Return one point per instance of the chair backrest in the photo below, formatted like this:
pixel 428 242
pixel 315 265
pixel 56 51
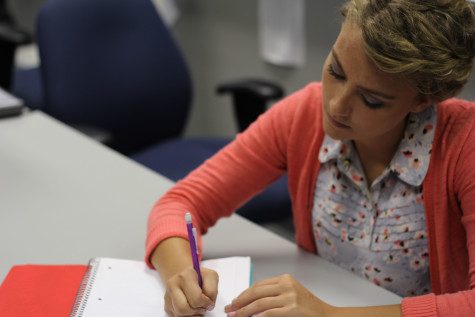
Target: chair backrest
pixel 113 64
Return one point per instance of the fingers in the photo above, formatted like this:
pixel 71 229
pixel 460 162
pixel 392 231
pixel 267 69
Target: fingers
pixel 210 286
pixel 169 310
pixel 184 297
pixel 265 288
pixel 271 297
pixel 257 307
pixel 260 297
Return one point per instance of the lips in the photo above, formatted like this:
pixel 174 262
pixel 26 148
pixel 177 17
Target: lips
pixel 336 123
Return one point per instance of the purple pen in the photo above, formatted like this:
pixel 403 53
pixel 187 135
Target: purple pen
pixel 193 239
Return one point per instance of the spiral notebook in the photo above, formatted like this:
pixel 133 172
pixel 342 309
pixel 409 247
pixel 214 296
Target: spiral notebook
pixel 118 287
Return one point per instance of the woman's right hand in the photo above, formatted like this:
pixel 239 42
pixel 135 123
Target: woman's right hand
pixel 184 297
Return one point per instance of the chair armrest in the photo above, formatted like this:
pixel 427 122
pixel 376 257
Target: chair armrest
pixel 9 31
pixel 250 97
pixel 13 35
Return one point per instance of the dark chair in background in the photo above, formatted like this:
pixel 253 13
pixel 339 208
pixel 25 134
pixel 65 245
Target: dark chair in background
pixel 11 36
pixel 112 70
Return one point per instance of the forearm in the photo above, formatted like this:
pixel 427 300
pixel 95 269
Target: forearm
pixel 171 256
pixel 376 311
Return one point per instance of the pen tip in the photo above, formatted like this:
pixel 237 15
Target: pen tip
pixel 188 217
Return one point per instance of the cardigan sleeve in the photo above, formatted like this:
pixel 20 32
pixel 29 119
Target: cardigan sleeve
pixel 459 155
pixel 465 187
pixel 462 303
pixel 255 159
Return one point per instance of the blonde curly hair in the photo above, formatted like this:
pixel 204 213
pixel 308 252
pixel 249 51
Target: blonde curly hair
pixel 430 43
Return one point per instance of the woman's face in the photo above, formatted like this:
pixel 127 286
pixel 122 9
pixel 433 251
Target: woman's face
pixel 360 102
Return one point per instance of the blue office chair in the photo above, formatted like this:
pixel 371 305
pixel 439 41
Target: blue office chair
pixel 112 68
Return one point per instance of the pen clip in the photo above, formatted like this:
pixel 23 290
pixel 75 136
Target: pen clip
pixel 195 236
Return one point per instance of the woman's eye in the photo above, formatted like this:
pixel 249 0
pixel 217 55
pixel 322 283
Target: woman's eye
pixel 372 102
pixel 332 72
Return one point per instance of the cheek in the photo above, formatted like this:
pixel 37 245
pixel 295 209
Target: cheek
pixel 326 80
pixel 372 124
pixel 327 88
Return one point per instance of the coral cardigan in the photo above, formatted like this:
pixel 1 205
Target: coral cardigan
pixel 287 138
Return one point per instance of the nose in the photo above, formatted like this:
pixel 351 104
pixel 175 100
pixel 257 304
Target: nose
pixel 340 104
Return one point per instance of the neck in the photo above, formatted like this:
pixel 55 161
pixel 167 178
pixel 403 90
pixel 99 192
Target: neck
pixel 376 154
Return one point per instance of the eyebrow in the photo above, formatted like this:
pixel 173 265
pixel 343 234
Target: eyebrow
pixel 368 90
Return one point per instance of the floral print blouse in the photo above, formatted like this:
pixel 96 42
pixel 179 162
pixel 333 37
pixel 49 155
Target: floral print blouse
pixel 379 231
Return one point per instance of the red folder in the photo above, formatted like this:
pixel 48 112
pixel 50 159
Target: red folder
pixel 40 290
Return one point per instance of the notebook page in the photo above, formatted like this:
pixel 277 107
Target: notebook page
pixel 120 287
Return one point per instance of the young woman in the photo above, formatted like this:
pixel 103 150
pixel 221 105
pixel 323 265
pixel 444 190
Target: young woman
pixel 379 161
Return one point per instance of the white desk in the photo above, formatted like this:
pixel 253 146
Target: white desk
pixel 65 198
pixel 273 255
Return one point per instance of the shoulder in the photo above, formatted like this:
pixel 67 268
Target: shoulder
pixel 456 109
pixel 455 132
pixel 308 96
pixel 311 94
pixel 304 104
pixel 455 117
pixel 298 110
pixel 293 117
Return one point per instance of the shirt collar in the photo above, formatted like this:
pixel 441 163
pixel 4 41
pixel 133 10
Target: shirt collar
pixel 334 149
pixel 411 161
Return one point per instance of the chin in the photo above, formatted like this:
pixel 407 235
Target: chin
pixel 334 133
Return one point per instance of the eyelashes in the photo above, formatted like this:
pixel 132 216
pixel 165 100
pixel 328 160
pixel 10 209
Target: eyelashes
pixel 374 104
pixel 332 72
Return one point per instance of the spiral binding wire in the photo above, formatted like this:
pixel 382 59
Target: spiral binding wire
pixel 85 288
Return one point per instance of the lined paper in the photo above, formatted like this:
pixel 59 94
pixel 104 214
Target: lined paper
pixel 118 287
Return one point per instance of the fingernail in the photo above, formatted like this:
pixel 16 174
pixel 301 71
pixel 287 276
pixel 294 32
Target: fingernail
pixel 210 308
pixel 227 307
pixel 232 314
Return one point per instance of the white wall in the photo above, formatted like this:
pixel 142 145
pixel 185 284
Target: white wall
pixel 219 39
pixel 220 42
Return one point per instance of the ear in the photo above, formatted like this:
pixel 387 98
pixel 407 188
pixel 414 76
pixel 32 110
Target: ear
pixel 421 103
